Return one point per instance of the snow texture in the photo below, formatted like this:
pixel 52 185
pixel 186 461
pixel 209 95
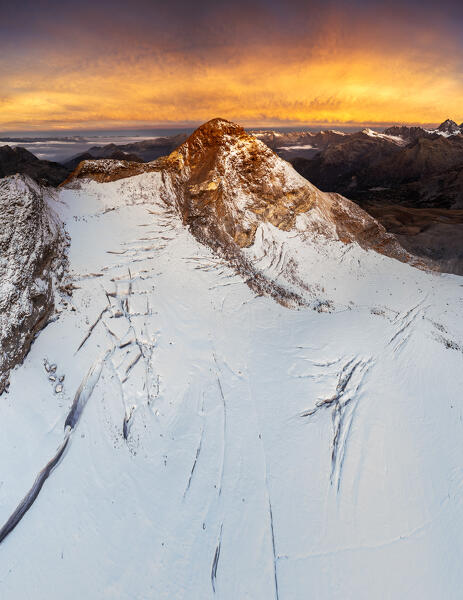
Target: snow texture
pixel 227 446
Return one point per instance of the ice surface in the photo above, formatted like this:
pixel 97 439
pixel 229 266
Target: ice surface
pixel 231 447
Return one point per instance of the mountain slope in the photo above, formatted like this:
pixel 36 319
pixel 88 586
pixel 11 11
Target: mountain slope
pixel 449 127
pixel 424 174
pixel 19 160
pixel 32 262
pixel 358 166
pixel 211 442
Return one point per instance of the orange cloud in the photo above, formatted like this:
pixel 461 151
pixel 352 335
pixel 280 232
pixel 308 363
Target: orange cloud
pixel 328 79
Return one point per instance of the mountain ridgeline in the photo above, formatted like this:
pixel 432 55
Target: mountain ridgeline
pixel 18 160
pixel 392 175
pixel 227 182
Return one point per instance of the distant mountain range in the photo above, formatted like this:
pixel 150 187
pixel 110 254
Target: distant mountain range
pixel 144 151
pixel 17 159
pixel 392 175
pixel 403 160
pixel 408 166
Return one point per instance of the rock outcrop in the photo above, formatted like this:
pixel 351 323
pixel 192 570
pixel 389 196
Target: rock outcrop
pixel 20 161
pixel 32 260
pixel 231 182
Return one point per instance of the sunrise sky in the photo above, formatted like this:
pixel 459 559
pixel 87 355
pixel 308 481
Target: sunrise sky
pixel 140 63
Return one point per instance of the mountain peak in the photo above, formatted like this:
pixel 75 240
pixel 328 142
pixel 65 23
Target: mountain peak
pixel 213 133
pixel 448 126
pixel 218 126
pixel 230 183
pixel 170 363
pixel 226 183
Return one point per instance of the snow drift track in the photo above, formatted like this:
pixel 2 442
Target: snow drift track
pixel 32 494
pixel 81 398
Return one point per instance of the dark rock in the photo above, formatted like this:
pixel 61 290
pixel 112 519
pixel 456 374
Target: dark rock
pixel 19 160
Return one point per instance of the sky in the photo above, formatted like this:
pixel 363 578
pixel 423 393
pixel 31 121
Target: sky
pixel 144 63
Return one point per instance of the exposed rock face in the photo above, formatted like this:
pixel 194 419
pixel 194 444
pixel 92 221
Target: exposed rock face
pixel 405 166
pixel 104 170
pixel 31 261
pixel 409 133
pixel 226 182
pixel 449 126
pixel 20 160
pixel 232 182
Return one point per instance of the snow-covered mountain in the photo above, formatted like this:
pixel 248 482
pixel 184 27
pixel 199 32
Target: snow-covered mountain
pixel 449 127
pixel 246 396
pixel 32 262
pixel 308 143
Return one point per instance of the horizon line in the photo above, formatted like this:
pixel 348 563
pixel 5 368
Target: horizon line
pixel 255 124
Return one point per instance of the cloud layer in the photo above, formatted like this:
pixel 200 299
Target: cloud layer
pixel 117 64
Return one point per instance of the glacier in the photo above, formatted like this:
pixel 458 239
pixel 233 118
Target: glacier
pixel 218 443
